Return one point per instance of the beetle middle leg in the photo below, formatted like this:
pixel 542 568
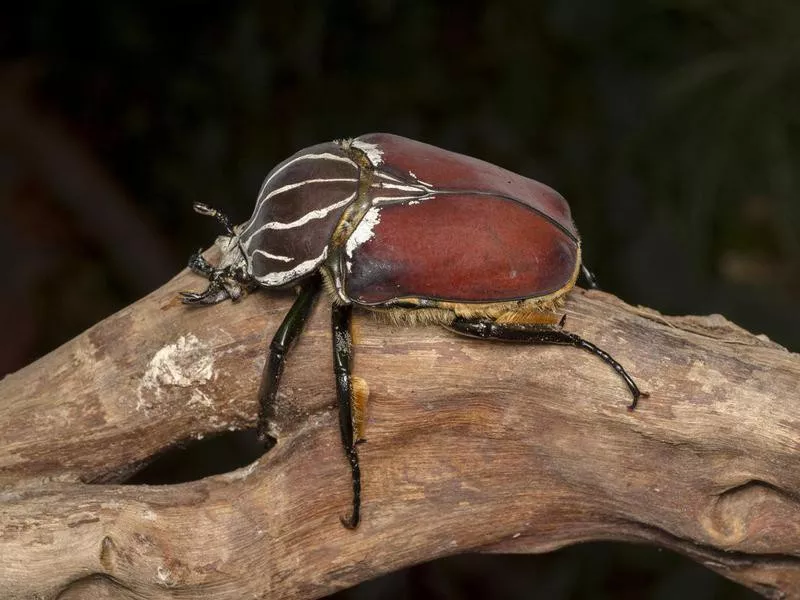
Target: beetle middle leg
pixel 342 366
pixel 287 333
pixel 540 334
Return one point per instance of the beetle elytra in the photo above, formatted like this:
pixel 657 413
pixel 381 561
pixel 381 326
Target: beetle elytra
pixel 408 230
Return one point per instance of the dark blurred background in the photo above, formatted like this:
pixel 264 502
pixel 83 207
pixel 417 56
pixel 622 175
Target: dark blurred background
pixel 670 125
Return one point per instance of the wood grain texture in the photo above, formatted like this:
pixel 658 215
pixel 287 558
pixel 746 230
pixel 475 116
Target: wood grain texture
pixel 471 446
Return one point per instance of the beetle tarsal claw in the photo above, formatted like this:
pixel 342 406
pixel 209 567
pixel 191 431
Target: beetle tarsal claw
pixel 348 522
pixel 221 286
pixel 213 295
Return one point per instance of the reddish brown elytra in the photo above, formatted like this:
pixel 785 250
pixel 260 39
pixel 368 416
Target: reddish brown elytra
pixel 408 230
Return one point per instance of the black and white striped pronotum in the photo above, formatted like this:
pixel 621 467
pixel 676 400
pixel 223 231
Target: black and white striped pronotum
pixel 417 233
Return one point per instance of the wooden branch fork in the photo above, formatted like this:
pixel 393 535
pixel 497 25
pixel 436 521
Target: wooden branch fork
pixel 472 446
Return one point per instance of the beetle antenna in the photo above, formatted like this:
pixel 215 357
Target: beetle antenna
pixel 205 209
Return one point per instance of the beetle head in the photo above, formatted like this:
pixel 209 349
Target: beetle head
pixel 232 277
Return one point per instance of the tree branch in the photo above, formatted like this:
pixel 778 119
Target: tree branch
pixel 472 445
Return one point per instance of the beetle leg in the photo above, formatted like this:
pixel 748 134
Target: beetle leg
pixel 219 288
pixel 528 317
pixel 216 290
pixel 222 218
pixel 213 294
pixel 591 280
pixel 342 357
pixel 198 264
pixel 541 334
pixel 287 333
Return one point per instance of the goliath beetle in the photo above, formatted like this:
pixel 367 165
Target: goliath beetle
pixel 407 230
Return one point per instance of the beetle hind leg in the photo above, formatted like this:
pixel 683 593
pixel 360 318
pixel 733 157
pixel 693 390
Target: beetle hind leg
pixel 360 396
pixel 541 334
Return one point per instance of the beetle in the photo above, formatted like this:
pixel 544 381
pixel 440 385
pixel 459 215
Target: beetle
pixel 407 230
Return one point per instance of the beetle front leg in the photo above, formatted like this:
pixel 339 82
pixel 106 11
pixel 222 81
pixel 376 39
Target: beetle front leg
pixel 222 218
pixel 284 337
pixel 198 264
pixel 342 358
pixel 541 334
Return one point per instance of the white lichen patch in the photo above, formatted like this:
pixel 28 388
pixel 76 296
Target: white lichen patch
pixel 198 398
pixel 164 576
pixel 364 232
pixel 373 152
pixel 186 363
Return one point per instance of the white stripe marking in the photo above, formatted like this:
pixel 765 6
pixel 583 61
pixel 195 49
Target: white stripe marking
pixel 287 188
pixel 273 256
pixel 393 199
pixel 292 186
pixel 373 152
pixel 385 175
pixel 395 186
pixel 323 156
pixel 284 276
pixel 314 214
pixel 364 232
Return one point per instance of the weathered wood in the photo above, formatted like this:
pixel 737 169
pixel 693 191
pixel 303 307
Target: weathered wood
pixel 472 446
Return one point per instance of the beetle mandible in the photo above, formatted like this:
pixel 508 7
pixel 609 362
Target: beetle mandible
pixel 408 230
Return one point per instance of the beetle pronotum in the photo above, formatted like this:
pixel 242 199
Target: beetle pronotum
pixel 408 230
